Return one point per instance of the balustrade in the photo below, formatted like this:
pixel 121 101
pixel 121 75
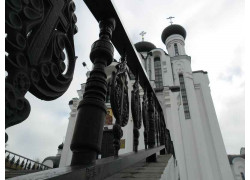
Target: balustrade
pixel 12 161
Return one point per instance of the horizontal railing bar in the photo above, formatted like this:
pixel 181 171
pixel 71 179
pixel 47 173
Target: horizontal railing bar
pixel 102 9
pixel 102 169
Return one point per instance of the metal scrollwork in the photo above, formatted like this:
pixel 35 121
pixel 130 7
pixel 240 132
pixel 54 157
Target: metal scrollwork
pixel 136 112
pixel 151 120
pixel 145 118
pixel 156 126
pixel 168 141
pixel 38 34
pixel 119 102
pixel 162 131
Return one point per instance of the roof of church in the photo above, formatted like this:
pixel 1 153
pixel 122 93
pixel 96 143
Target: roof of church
pixel 144 46
pixel 173 29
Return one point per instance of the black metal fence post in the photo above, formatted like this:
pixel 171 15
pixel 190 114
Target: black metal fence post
pixel 162 134
pixel 87 137
pixel 151 133
pixel 145 117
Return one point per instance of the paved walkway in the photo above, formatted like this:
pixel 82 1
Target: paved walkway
pixel 143 170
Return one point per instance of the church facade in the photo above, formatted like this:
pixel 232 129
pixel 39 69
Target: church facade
pixel 188 110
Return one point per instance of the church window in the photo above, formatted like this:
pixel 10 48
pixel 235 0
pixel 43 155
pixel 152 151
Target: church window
pixel 176 49
pixel 158 73
pixel 184 97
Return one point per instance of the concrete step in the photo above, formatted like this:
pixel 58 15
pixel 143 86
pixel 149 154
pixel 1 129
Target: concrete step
pixel 143 170
pixel 14 173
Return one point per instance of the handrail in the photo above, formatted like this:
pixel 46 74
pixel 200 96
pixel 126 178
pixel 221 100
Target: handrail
pixel 15 163
pixel 102 169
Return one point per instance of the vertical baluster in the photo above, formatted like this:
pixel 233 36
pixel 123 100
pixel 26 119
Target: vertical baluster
pixel 151 134
pixel 159 127
pixel 172 149
pixel 17 163
pixel 168 141
pixel 26 164
pixel 119 102
pixel 87 137
pixel 34 166
pixel 7 159
pixel 156 127
pixel 22 164
pixel 162 134
pixel 145 117
pixel 29 166
pixel 136 113
pixel 38 166
pixel 12 161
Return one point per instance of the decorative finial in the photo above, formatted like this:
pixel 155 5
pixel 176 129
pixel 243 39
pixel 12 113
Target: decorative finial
pixel 170 18
pixel 142 35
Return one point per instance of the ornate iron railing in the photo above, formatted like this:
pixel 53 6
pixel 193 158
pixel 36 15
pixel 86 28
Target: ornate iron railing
pixel 18 162
pixel 34 63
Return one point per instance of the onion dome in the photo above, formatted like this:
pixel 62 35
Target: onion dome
pixel 60 146
pixel 173 29
pixel 144 46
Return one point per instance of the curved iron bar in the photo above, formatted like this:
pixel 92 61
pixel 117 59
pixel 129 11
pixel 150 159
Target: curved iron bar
pixel 37 35
pixel 119 102
pixel 145 117
pixel 136 113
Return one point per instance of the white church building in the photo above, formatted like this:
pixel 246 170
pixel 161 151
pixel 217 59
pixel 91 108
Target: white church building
pixel 188 110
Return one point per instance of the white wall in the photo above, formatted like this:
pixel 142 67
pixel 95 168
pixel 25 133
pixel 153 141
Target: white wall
pixel 171 172
pixel 66 152
pixel 213 138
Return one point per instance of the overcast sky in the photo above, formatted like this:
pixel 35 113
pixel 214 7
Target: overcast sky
pixel 214 41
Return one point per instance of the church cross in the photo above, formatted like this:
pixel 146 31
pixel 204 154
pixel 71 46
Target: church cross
pixel 170 18
pixel 142 35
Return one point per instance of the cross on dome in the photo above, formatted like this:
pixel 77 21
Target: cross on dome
pixel 170 18
pixel 142 35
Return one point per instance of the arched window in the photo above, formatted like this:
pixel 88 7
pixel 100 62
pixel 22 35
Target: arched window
pixel 176 49
pixel 158 73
